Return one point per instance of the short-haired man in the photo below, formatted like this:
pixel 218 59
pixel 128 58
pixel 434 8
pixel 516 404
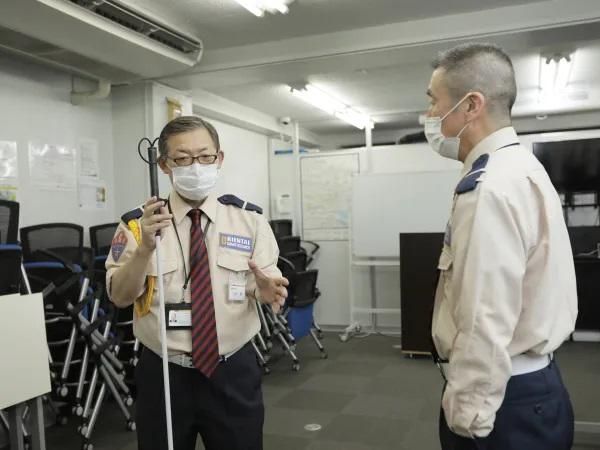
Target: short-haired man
pixel 506 298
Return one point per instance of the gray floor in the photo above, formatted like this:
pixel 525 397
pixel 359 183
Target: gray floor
pixel 366 396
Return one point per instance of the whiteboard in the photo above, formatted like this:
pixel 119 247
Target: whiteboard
pixel 386 204
pixel 24 371
pixel 326 182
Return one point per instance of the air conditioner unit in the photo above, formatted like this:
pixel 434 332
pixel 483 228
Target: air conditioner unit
pixel 99 38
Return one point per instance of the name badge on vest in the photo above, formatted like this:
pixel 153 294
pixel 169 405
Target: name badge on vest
pixel 237 286
pixel 179 316
pixel 233 242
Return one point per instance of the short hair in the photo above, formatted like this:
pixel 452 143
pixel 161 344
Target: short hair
pixel 484 68
pixel 184 124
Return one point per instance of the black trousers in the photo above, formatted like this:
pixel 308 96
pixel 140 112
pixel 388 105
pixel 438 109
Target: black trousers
pixel 536 414
pixel 226 410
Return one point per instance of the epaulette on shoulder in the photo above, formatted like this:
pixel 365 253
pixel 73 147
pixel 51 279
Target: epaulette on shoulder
pixel 133 214
pixel 472 179
pixel 232 200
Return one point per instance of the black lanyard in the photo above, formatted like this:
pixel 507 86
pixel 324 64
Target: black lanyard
pixel 185 272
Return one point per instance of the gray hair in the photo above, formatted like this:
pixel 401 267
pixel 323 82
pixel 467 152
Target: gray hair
pixel 184 124
pixel 483 68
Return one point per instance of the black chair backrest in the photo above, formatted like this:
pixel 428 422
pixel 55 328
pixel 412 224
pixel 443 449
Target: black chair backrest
pixel 299 259
pixel 64 239
pixel 101 237
pixel 9 222
pixel 286 267
pixel 288 244
pixel 281 227
pixel 304 291
pixel 10 267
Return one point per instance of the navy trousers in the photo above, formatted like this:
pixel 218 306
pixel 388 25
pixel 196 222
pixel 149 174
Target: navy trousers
pixel 226 410
pixel 536 414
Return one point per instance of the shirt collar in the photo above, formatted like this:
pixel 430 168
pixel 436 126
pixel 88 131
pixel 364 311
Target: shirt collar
pixel 495 141
pixel 180 208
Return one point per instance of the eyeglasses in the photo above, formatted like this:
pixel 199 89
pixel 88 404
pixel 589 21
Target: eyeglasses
pixel 189 160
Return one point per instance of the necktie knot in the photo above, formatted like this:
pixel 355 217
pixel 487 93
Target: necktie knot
pixel 195 215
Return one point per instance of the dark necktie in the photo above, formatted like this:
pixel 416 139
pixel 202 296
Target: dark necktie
pixel 205 347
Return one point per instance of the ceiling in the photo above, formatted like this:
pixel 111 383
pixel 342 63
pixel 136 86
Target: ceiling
pixel 375 55
pixel 224 23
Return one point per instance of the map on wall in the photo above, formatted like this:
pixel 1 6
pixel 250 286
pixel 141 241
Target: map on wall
pixel 326 182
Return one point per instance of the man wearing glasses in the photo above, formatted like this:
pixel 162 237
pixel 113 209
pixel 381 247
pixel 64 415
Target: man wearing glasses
pixel 219 257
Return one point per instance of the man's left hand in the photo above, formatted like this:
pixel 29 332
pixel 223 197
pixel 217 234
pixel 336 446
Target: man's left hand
pixel 271 290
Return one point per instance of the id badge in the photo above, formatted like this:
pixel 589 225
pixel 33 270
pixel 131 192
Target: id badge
pixel 179 316
pixel 237 286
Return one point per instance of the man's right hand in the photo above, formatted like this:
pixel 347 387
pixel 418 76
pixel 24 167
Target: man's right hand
pixel 152 223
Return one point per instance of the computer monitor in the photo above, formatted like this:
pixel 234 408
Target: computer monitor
pixel 573 166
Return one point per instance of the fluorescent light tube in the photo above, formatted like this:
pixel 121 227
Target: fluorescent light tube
pixel 555 72
pixel 278 5
pixel 252 6
pixel 325 102
pixel 547 74
pixel 563 72
pixel 258 7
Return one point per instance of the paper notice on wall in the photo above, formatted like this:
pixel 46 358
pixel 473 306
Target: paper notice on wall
pixel 92 194
pixel 52 167
pixel 9 167
pixel 8 192
pixel 88 158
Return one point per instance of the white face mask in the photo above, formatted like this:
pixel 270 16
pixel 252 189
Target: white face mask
pixel 446 146
pixel 196 181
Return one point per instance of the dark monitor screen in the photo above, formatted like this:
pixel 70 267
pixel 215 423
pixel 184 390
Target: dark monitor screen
pixel 584 239
pixel 573 166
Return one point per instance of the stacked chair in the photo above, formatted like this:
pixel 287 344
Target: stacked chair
pixel 91 349
pixel 296 320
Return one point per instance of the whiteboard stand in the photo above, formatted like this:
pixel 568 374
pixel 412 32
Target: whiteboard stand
pixel 355 327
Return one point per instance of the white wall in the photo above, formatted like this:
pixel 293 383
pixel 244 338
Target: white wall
pixel 245 170
pixel 333 308
pixel 36 106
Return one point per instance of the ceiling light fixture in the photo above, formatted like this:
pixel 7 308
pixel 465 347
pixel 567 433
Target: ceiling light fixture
pixel 555 71
pixel 325 102
pixel 259 7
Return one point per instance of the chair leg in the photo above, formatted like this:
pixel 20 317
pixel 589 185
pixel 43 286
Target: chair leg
pixel 316 340
pixel 261 359
pixel 318 328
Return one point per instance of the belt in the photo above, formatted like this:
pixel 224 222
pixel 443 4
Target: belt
pixel 185 359
pixel 521 364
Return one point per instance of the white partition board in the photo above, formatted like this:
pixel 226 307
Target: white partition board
pixel 386 204
pixel 24 370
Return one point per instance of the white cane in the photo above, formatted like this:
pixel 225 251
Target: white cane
pixel 152 163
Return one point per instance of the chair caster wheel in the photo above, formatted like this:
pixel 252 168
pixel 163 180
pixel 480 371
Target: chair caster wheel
pixel 324 355
pixel 131 425
pixel 266 370
pixel 296 367
pixel 87 446
pixel 129 401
